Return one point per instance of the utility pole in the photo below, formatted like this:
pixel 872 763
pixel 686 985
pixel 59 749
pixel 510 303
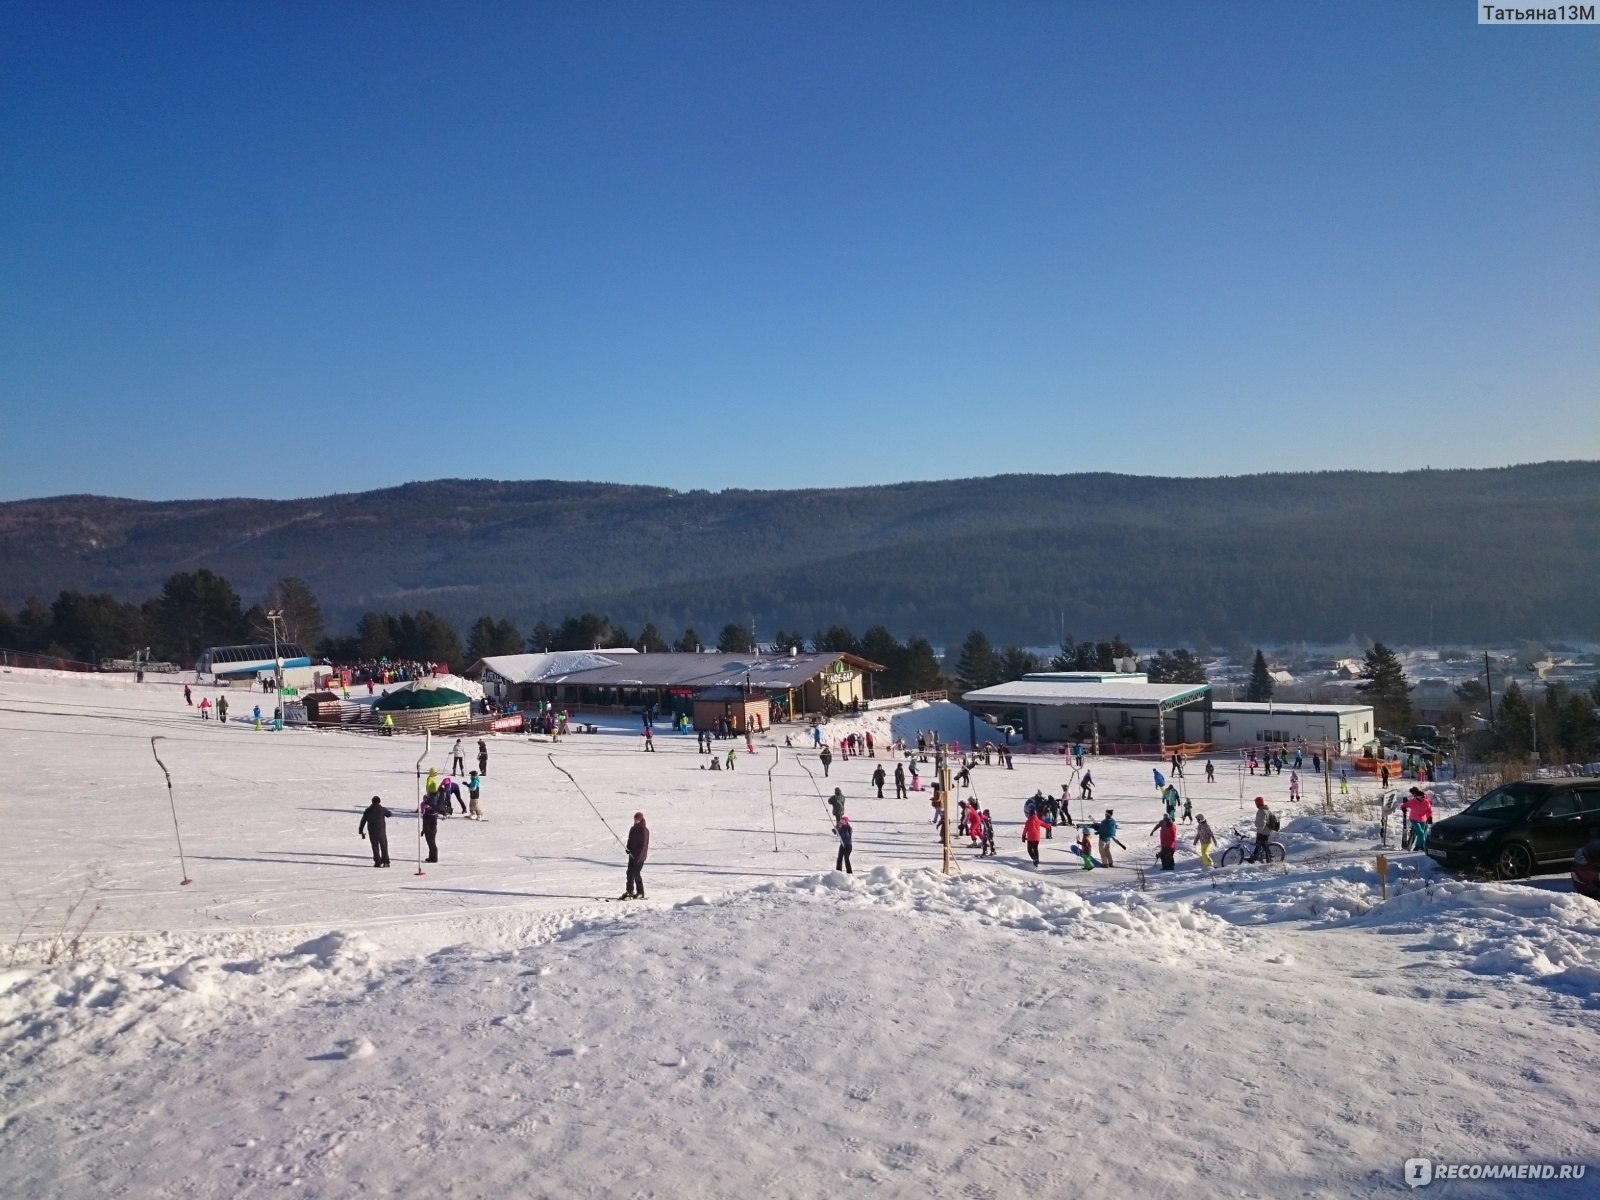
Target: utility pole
pixel 1488 683
pixel 275 616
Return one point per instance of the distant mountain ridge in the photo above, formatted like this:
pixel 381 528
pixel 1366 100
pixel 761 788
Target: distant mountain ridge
pixel 1498 553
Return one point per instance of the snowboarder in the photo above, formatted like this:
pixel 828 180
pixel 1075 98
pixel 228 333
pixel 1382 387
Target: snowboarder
pixel 458 765
pixel 846 844
pixel 1205 839
pixel 430 829
pixel 827 760
pixel 1033 829
pixel 900 781
pixel 878 778
pixel 483 758
pixel 836 806
pixel 474 790
pixel 638 850
pixel 374 829
pixel 1169 841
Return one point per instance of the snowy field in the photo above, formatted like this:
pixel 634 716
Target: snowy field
pixel 296 1021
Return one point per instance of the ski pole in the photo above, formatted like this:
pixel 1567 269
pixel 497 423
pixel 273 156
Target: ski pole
pixel 182 863
pixel 586 799
pixel 427 740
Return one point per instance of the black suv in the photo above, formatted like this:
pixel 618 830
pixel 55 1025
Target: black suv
pixel 1521 828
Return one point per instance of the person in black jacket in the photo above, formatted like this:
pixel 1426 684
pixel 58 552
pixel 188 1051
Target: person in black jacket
pixel 638 851
pixel 846 844
pixel 374 829
pixel 878 778
pixel 430 827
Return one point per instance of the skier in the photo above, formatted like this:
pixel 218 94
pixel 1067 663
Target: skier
pixel 188 697
pixel 374 829
pixel 1089 863
pixel 474 790
pixel 899 781
pixel 836 806
pixel 483 758
pixel 388 724
pixel 878 778
pixel 1344 783
pixel 827 760
pixel 1066 804
pixel 1077 754
pixel 1188 810
pixel 1086 787
pixel 1169 841
pixel 733 753
pixel 974 825
pixel 205 709
pixel 458 765
pixel 1033 829
pixel 222 709
pixel 916 780
pixel 1294 785
pixel 430 786
pixel 988 836
pixel 638 850
pixel 1205 839
pixel 1106 831
pixel 871 749
pixel 1253 763
pixel 1211 772
pixel 846 844
pixel 430 829
pixel 649 740
pixel 450 790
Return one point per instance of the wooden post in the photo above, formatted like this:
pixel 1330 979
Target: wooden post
pixel 1327 778
pixel 1383 875
pixel 943 778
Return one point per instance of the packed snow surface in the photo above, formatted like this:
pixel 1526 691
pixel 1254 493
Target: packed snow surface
pixel 762 1025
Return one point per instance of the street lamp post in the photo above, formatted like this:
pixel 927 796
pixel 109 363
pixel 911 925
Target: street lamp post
pixel 275 616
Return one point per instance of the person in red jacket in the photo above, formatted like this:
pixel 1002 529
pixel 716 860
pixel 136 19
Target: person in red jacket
pixel 1033 830
pixel 1168 829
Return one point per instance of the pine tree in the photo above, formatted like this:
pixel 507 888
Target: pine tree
pixel 1260 689
pixel 978 665
pixel 688 642
pixel 1513 722
pixel 489 637
pixel 1384 686
pixel 735 639
pixel 651 642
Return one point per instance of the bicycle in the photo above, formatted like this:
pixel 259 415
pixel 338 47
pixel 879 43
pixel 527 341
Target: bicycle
pixel 1244 848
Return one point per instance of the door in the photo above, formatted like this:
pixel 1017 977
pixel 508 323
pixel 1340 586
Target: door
pixel 1556 827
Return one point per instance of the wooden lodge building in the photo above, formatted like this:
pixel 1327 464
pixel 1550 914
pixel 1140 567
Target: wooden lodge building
pixel 702 686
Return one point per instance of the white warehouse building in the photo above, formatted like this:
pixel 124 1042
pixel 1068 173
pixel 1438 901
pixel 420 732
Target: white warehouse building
pixel 1239 724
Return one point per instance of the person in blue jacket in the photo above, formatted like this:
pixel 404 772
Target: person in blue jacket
pixel 1106 831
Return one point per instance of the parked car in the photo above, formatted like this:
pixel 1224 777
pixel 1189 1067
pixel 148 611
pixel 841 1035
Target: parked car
pixel 1586 870
pixel 1520 829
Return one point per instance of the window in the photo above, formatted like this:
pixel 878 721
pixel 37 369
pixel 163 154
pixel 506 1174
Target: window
pixel 1562 804
pixel 1589 800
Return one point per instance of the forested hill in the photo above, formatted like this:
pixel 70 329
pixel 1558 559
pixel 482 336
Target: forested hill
pixel 1494 554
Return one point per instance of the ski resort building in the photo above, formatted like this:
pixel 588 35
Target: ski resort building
pixel 1112 713
pixel 247 665
pixel 787 686
pixel 1238 724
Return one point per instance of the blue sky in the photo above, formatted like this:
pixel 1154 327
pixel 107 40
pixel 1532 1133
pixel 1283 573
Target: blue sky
pixel 291 248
